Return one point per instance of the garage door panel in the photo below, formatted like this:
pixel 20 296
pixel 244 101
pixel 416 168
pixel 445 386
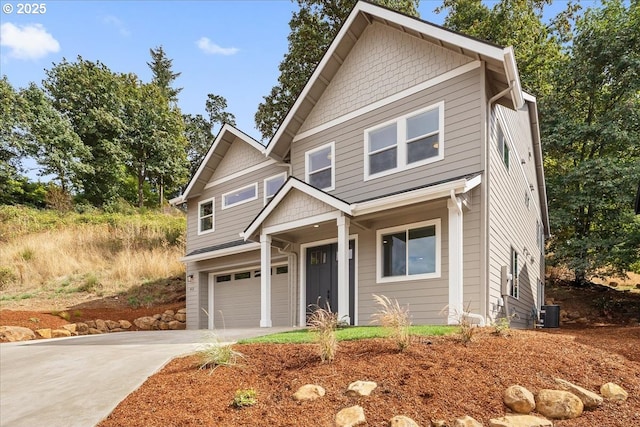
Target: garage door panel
pixel 237 303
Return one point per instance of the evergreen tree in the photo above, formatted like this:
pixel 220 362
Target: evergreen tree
pixel 163 76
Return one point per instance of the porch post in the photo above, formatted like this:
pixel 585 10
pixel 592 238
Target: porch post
pixel 343 268
pixel 265 281
pixel 455 260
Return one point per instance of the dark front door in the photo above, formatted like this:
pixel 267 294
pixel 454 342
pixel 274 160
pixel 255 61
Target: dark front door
pixel 322 277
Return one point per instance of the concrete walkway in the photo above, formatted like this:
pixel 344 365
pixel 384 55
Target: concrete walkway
pixel 78 381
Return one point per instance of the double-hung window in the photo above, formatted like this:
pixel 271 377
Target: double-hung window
pixel 406 142
pixel 272 185
pixel 240 196
pixel 409 252
pixel 320 167
pixel 205 216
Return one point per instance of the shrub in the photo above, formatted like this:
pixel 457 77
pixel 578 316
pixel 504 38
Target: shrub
pixel 216 354
pixel 394 318
pixel 501 326
pixel 323 323
pixel 246 397
pixel 6 277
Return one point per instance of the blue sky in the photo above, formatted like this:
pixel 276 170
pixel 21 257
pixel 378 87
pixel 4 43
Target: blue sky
pixel 229 48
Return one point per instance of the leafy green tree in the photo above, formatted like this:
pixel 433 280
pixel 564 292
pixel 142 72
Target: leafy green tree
pixel 313 27
pixel 13 132
pixel 163 76
pixel 52 141
pixel 591 137
pixel 91 97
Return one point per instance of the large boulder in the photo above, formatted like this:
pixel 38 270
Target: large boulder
pixel 520 421
pixel 519 399
pixel 177 325
pixel 361 388
pixel 44 333
pixel 612 391
pixel 589 399
pixel 402 421
pixel 558 404
pixel 124 324
pixel 82 328
pixel 16 333
pixel 101 325
pixel 60 333
pixel 181 317
pixel 308 392
pixel 466 421
pixel 71 327
pixel 112 324
pixel 351 416
pixel 145 323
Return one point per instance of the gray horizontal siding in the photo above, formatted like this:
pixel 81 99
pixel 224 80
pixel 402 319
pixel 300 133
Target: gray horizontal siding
pixel 462 153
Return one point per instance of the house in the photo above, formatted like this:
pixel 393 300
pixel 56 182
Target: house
pixel 409 166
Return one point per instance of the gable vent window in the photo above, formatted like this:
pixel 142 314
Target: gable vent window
pixel 406 142
pixel 240 196
pixel 272 185
pixel 205 216
pixel 320 170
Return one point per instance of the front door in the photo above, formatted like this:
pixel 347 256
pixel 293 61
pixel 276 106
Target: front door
pixel 322 277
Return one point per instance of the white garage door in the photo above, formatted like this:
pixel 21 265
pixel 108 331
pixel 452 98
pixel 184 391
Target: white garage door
pixel 236 299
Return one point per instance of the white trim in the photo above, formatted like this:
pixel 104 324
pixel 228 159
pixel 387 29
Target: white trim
pixel 513 76
pixel 463 69
pixel 316 219
pixel 237 190
pixel 265 281
pixel 302 282
pixel 264 185
pixel 332 152
pixel 456 259
pixel 211 302
pixel 409 277
pixel 247 247
pixel 238 174
pixel 402 143
pixel 213 216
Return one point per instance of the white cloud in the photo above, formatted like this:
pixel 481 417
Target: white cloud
pixel 118 24
pixel 210 48
pixel 27 41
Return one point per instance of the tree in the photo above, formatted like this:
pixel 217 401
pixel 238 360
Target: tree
pixel 591 137
pixel 313 28
pixel 163 76
pixel 91 97
pixel 12 140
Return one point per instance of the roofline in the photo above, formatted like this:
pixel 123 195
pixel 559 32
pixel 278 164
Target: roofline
pixel 248 247
pixel 226 128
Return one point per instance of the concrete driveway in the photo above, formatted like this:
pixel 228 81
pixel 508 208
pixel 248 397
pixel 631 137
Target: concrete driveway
pixel 78 381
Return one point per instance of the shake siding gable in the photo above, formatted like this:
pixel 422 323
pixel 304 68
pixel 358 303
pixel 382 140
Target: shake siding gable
pixel 462 151
pixel 239 157
pixel 296 205
pixel 393 61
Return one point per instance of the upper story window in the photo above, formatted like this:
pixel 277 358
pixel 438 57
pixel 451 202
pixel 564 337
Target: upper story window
pixel 503 146
pixel 205 216
pixel 406 142
pixel 320 167
pixel 272 185
pixel 240 196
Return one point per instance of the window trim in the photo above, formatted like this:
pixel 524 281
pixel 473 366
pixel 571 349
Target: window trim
pixel 264 185
pixel 213 216
pixel 514 288
pixel 407 227
pixel 255 197
pixel 307 154
pixel 402 142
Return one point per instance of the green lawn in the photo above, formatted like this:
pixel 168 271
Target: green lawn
pixel 346 334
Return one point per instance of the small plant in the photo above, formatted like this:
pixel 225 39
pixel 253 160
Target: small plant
pixel 394 318
pixel 27 254
pixel 62 314
pixel 216 354
pixel 323 323
pixel 6 277
pixel 245 397
pixel 467 328
pixel 501 326
pixel 77 313
pixel 34 320
pixel 133 302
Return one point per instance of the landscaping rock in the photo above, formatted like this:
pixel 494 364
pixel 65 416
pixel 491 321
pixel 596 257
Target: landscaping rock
pixel 466 421
pixel 559 405
pixel 60 333
pixel 309 392
pixel 101 325
pixel 82 328
pixel 177 325
pixel 44 333
pixel 16 333
pixel 111 324
pixel 402 421
pixel 589 399
pixel 439 423
pixel 163 326
pixel 167 316
pixel 182 311
pixel 351 416
pixel 181 317
pixel 361 388
pixel 519 399
pixel 145 323
pixel 71 327
pixel 612 391
pixel 125 324
pixel 94 331
pixel 91 324
pixel 520 421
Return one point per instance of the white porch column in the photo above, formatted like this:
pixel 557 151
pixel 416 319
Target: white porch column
pixel 265 281
pixel 343 268
pixel 455 259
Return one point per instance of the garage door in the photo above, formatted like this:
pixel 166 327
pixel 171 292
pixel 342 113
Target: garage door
pixel 236 299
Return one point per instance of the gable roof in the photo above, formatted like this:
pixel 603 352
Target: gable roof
pixel 500 63
pixel 226 137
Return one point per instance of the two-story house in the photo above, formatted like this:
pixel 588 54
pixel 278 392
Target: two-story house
pixel 410 166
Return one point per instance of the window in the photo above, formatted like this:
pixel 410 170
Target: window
pixel 223 278
pixel 205 216
pixel 409 141
pixel 243 275
pixel 284 269
pixel 272 185
pixel 503 146
pixel 320 171
pixel 514 291
pixel 240 196
pixel 409 252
